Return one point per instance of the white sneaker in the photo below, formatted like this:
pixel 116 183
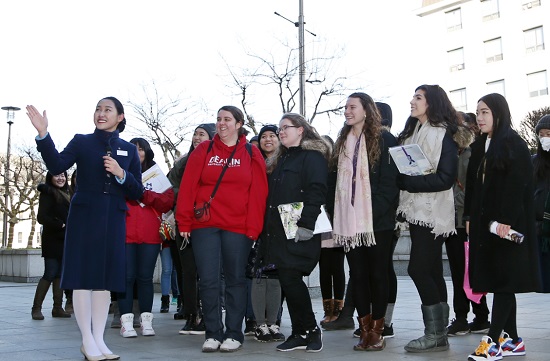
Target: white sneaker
pixel 127 325
pixel 146 324
pixel 211 345
pixel 230 345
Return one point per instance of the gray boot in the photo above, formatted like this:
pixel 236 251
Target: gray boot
pixel 435 334
pixel 446 309
pixel 41 291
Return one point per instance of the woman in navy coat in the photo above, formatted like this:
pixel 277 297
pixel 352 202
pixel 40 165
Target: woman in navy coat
pixel 109 171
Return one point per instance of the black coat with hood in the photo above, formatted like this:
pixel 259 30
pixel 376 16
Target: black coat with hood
pixel 299 176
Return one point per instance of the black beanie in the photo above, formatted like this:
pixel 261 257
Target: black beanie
pixel 210 128
pixel 268 128
pixel 544 123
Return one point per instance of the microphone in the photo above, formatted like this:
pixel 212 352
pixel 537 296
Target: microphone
pixel 107 184
pixel 108 150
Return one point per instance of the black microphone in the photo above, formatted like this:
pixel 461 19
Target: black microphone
pixel 108 150
pixel 107 184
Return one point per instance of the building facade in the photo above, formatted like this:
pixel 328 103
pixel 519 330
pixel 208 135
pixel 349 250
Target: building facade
pixel 490 46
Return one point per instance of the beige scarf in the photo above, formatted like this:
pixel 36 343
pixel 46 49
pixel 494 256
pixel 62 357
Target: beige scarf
pixel 435 210
pixel 353 222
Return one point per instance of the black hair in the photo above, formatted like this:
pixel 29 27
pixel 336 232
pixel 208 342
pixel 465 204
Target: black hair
pixel 237 114
pixel 120 110
pixel 148 162
pixel 62 194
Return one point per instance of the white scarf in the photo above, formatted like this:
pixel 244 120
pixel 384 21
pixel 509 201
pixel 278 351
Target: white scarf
pixel 353 223
pixel 435 210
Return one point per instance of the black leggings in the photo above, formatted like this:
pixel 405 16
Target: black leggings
pixel 392 277
pixel 331 273
pixel 369 275
pixel 426 265
pixel 298 301
pixel 186 268
pixel 504 315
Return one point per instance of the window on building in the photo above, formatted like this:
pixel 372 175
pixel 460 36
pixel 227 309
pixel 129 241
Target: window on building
pixel 20 237
pixel 530 4
pixel 489 10
pixel 537 83
pixel 493 50
pixel 496 86
pixel 458 98
pixel 534 39
pixel 453 19
pixel 456 59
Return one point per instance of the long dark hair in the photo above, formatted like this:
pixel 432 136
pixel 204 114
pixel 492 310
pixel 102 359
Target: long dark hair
pixel 500 150
pixel 148 162
pixel 440 112
pixel 372 128
pixel 61 195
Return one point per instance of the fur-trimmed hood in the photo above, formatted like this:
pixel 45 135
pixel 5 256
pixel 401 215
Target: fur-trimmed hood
pixel 309 144
pixel 463 137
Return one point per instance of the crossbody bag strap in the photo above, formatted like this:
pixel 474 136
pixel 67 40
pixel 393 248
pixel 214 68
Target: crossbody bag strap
pixel 223 172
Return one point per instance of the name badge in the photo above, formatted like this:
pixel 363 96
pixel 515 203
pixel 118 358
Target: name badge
pixel 121 152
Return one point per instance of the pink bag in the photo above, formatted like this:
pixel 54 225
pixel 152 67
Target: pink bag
pixel 473 296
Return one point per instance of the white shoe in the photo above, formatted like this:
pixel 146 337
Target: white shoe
pixel 146 321
pixel 230 345
pixel 127 325
pixel 211 345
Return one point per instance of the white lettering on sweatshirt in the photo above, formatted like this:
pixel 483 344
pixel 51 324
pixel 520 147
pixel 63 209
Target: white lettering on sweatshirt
pixel 217 161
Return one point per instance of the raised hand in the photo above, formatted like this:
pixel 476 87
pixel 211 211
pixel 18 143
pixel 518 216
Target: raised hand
pixel 39 121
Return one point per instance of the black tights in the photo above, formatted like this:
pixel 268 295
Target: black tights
pixel 426 265
pixel 331 273
pixel 503 317
pixel 369 275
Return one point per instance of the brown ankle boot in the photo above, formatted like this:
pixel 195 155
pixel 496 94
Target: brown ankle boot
pixel 328 307
pixel 364 323
pixel 338 305
pixel 375 340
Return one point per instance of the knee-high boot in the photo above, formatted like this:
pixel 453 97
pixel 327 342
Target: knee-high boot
pixel 57 310
pixel 364 323
pixel 41 291
pixel 435 333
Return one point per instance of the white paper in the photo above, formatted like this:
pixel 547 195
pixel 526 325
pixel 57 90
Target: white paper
pixel 411 160
pixel 291 213
pixel 153 179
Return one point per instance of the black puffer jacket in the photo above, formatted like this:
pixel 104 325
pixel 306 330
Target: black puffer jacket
pixel 300 176
pixel 53 216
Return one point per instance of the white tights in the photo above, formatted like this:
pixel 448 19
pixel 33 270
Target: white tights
pixel 91 309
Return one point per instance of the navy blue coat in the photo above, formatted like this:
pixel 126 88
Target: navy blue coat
pixel 95 251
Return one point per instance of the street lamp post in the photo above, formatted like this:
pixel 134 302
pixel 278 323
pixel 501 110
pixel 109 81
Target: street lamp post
pixel 11 115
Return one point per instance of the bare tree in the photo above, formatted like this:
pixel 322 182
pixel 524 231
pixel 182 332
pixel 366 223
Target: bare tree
pixel 278 71
pixel 528 125
pixel 27 172
pixel 166 118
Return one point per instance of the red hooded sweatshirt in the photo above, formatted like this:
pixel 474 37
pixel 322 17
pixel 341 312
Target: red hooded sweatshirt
pixel 239 203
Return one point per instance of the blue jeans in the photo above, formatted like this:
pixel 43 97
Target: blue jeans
pixel 141 259
pixel 52 269
pixel 216 250
pixel 167 276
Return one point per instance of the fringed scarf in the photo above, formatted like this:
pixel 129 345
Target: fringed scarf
pixel 546 225
pixel 353 201
pixel 433 210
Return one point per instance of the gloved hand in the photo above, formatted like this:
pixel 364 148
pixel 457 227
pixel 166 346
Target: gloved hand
pixel 303 234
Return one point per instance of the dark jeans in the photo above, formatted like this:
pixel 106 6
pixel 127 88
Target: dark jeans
pixel 426 265
pixel 140 265
pixel 331 273
pixel 298 301
pixel 52 269
pixel 217 250
pixel 461 304
pixel 369 275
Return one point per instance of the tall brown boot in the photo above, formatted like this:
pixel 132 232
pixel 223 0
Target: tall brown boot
pixel 57 310
pixel 41 291
pixel 328 307
pixel 375 340
pixel 364 323
pixel 338 305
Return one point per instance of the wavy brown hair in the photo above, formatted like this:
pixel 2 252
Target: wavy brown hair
pixel 372 129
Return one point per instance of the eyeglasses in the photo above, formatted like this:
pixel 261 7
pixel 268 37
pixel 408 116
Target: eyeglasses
pixel 285 127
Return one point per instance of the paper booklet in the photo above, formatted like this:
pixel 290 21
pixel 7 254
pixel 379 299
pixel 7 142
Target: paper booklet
pixel 291 213
pixel 153 179
pixel 411 160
